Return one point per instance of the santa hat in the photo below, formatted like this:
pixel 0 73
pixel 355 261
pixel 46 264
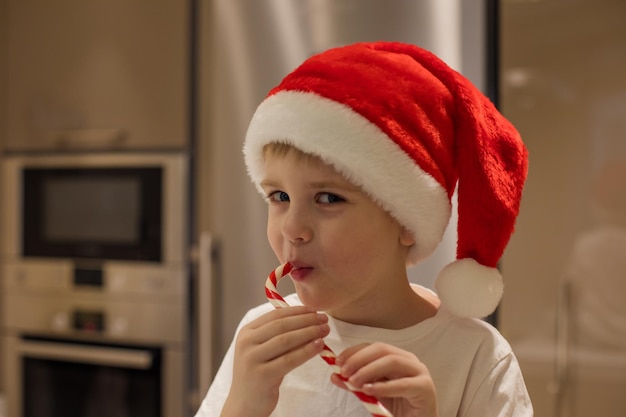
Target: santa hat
pixel 398 122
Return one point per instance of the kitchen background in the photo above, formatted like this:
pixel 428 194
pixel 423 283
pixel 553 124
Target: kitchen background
pixel 85 78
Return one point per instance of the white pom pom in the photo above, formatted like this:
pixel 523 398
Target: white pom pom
pixel 469 289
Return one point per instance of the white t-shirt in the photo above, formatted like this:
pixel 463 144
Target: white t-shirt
pixel 473 367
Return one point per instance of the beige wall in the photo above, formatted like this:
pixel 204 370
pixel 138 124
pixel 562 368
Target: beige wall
pixel 3 121
pixel 563 86
pixel 3 68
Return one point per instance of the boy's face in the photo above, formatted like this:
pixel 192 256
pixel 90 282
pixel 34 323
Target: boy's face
pixel 348 252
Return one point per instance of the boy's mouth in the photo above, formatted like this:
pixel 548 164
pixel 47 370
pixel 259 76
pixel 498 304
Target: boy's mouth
pixel 300 272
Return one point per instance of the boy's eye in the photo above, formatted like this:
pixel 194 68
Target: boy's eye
pixel 329 198
pixel 278 196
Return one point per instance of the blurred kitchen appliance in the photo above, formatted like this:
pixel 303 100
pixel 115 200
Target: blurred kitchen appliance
pixel 95 307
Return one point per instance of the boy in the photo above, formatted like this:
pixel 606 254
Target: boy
pixel 358 152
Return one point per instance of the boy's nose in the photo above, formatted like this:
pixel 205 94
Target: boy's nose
pixel 296 226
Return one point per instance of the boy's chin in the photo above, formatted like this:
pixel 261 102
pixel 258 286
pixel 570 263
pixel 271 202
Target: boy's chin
pixel 312 301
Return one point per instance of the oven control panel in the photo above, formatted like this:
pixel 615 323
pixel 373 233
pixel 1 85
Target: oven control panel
pixel 84 316
pixel 120 301
pixel 90 321
pixel 114 278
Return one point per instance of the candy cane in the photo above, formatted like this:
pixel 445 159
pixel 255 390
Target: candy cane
pixel 371 403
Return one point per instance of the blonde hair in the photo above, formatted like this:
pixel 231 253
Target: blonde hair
pixel 283 149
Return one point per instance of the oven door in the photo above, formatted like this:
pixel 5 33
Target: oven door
pixel 65 378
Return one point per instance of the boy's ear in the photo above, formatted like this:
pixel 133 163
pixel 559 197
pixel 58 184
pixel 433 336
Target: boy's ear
pixel 406 238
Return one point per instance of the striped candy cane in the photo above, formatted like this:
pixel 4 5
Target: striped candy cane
pixel 371 403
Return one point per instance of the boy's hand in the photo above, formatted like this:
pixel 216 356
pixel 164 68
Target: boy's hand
pixel 396 377
pixel 265 351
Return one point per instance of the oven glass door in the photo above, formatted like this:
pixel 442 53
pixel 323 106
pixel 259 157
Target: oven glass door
pixel 85 380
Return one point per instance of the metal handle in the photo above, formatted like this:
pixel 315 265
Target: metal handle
pixel 206 309
pixel 107 356
pixel 89 138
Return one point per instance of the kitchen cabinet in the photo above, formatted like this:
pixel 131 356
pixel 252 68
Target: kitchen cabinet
pixel 97 74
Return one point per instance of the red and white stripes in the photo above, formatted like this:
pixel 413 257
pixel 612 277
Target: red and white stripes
pixel 371 403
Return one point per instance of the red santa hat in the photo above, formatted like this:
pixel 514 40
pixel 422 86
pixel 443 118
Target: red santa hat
pixel 398 122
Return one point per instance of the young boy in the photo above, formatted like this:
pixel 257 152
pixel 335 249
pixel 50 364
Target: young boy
pixel 358 152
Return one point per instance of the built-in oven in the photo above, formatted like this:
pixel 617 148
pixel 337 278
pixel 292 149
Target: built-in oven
pixel 90 379
pixel 95 285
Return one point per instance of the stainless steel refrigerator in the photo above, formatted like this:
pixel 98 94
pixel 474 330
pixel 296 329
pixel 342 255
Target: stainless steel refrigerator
pixel 242 49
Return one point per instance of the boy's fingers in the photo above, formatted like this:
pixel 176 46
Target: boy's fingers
pixel 279 313
pixel 284 343
pixel 386 368
pixel 296 357
pixel 349 352
pixel 284 325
